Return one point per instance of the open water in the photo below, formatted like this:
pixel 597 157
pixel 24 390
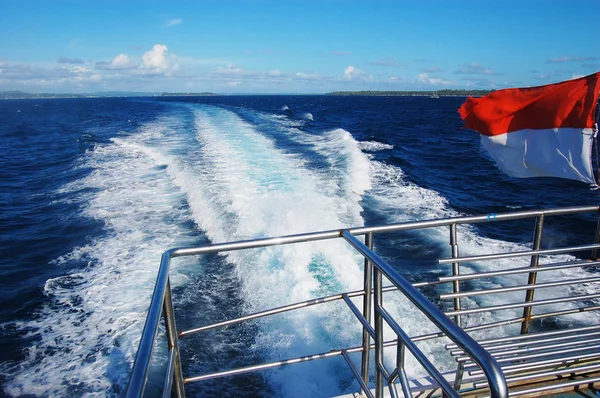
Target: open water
pixel 92 191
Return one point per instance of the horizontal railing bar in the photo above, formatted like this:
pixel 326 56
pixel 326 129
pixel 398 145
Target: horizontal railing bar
pixel 508 289
pixel 474 219
pixel 495 324
pixel 510 369
pixel 436 335
pixel 490 325
pixel 532 345
pixel 519 343
pixel 527 253
pixel 255 243
pixel 278 310
pixel 576 370
pixel 565 312
pixel 524 304
pixel 520 270
pixel 546 354
pixel 499 353
pixel 323 235
pixel 351 350
pixel 359 315
pixel 273 311
pixel 329 354
pixel 524 337
pixel 357 374
pixel 555 386
pixel 423 284
pixel 269 365
pixel 445 324
pixel 417 353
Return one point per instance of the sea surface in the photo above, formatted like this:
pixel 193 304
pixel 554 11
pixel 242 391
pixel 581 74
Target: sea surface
pixel 93 191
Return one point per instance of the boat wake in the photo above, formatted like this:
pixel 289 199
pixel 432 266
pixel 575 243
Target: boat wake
pixel 212 174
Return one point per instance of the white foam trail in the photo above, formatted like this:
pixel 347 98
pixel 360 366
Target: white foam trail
pixel 374 146
pixel 88 333
pixel 342 152
pixel 257 190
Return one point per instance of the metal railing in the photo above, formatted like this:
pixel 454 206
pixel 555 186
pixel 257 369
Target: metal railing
pixel 375 268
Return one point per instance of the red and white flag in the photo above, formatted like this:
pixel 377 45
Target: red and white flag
pixel 544 131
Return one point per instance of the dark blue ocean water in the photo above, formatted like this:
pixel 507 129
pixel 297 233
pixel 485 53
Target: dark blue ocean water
pixel 92 191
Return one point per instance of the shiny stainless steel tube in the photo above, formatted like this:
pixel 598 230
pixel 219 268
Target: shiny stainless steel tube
pixel 487 363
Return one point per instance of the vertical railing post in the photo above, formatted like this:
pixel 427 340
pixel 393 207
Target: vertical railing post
pixel 537 244
pixel 367 301
pixel 594 256
pixel 173 341
pixel 400 362
pixel 377 304
pixel 455 271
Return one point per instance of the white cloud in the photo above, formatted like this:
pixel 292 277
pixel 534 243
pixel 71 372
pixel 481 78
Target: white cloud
pixel 82 74
pixel 156 61
pixel 426 79
pixel 120 62
pixel 229 70
pixel 158 58
pixel 302 75
pixel 275 72
pixel 172 22
pixel 398 79
pixel 348 72
pixel 79 69
pixel 353 74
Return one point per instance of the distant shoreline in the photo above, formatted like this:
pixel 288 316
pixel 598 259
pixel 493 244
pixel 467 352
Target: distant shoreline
pixel 442 93
pixel 110 94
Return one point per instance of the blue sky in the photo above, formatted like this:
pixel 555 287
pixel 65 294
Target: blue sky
pixel 289 46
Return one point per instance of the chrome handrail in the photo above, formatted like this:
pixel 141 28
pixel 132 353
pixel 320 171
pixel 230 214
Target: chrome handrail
pixel 486 362
pixel 161 303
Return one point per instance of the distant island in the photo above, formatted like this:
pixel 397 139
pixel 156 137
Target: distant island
pixel 446 93
pixel 24 95
pixel 440 93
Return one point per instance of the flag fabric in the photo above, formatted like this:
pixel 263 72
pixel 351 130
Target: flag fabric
pixel 544 131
